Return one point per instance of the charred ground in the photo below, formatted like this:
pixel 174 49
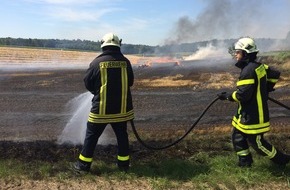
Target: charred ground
pixel 166 101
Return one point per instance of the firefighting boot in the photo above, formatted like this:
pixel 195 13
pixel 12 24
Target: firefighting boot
pixel 281 159
pixel 123 165
pixel 81 167
pixel 245 161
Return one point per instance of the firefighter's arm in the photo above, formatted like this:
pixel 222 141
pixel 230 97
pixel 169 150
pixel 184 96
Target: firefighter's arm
pixel 245 89
pixel 273 76
pixel 90 79
pixel 130 74
pixel 245 86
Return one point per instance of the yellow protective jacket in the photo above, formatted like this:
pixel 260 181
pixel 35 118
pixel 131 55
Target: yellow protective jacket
pixel 255 82
pixel 109 78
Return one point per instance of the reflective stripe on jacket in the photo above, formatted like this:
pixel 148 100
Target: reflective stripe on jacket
pixel 252 116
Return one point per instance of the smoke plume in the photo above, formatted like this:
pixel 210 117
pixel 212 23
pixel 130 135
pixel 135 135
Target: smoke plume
pixel 225 19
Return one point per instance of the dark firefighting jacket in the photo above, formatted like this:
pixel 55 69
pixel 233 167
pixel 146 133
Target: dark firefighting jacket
pixel 255 82
pixel 109 78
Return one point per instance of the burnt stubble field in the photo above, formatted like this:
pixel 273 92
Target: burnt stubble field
pixel 167 102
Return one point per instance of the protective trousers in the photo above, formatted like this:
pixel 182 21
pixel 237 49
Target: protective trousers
pixel 94 131
pixel 260 145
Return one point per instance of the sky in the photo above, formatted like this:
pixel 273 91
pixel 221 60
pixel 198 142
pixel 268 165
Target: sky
pixel 146 22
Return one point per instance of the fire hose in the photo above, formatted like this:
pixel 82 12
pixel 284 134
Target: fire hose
pixel 190 129
pixel 178 140
pixel 279 103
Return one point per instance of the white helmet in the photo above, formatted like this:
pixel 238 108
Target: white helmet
pixel 110 39
pixel 247 44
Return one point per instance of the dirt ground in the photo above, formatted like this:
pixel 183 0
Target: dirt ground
pixel 167 100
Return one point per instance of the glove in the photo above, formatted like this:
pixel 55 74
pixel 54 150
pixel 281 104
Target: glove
pixel 224 96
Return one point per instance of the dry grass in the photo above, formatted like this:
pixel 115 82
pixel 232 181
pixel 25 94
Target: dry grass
pixel 26 74
pixel 169 81
pixel 14 55
pixel 286 66
pixel 206 81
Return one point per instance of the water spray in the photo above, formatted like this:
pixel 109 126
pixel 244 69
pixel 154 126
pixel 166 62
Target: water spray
pixel 75 129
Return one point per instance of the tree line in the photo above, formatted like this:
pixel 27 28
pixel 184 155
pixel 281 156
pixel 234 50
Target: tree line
pixel 87 45
pixel 51 43
pixel 83 45
pixel 169 49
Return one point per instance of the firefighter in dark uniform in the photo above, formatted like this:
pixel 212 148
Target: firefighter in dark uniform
pixel 251 120
pixel 109 78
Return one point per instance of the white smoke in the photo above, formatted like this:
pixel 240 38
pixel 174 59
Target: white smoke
pixel 75 130
pixel 208 52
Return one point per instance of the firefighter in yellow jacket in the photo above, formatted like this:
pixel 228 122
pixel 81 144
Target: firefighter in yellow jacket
pixel 109 78
pixel 251 120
